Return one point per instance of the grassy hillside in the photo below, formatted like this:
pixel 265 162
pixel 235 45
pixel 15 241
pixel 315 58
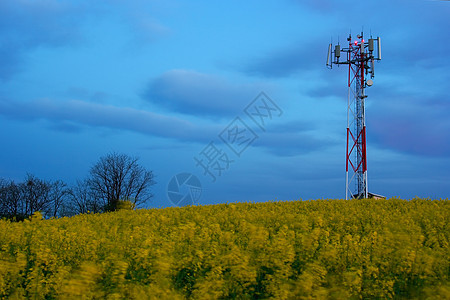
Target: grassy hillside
pixel 284 250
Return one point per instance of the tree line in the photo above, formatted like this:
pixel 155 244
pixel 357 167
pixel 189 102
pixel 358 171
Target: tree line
pixel 112 179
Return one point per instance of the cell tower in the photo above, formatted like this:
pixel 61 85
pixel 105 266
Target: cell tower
pixel 360 60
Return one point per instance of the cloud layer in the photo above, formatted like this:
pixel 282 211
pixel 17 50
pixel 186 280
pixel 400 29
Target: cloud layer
pixel 27 25
pixel 292 138
pixel 68 115
pixel 284 139
pixel 412 125
pixel 200 94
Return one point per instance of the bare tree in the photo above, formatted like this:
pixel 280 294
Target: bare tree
pixel 35 194
pixel 19 201
pixel 10 200
pixel 120 177
pixel 57 196
pixel 113 178
pixel 82 200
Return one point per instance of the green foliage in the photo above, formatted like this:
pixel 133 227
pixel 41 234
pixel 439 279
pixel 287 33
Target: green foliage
pixel 275 250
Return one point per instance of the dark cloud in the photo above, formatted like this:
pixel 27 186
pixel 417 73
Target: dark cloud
pixel 143 24
pixel 285 139
pixel 83 93
pixel 291 144
pixel 141 19
pixel 291 139
pixel 10 63
pixel 292 126
pixel 27 25
pixel 68 116
pixel 67 127
pixel 412 125
pixel 200 94
pixel 287 61
pixel 409 39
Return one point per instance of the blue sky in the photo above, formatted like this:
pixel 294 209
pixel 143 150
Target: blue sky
pixel 163 79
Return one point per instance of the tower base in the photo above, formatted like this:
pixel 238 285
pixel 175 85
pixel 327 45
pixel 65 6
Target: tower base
pixel 370 196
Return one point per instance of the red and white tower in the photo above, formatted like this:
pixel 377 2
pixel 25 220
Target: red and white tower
pixel 360 60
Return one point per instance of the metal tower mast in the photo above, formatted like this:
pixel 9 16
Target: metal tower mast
pixel 360 61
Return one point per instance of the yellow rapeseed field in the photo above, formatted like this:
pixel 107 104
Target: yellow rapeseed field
pixel 324 249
